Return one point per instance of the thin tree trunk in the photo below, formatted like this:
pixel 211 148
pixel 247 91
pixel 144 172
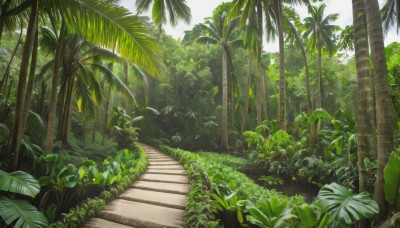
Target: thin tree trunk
pixel 6 74
pixel 383 100
pixel 19 114
pixel 260 97
pixel 319 95
pixel 366 140
pixel 31 79
pixel 224 113
pixel 67 115
pixel 105 131
pixel 246 95
pixel 3 16
pixel 282 93
pixel 48 144
pixel 126 73
pixel 303 52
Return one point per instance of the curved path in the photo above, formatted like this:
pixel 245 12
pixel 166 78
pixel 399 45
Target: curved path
pixel 157 199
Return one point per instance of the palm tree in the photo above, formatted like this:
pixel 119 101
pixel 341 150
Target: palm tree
pixel 220 31
pixel 383 100
pixel 111 26
pixel 319 31
pixel 366 140
pixel 177 10
pixel 251 19
pixel 293 28
pixel 391 14
pixel 12 12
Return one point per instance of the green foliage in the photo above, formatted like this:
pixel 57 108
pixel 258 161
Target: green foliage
pixel 273 212
pixel 128 162
pixel 270 180
pixel 226 159
pixel 22 213
pixel 19 182
pixel 392 180
pixel 19 212
pixel 343 206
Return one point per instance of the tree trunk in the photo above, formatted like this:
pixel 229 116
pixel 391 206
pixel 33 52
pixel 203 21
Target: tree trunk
pixel 303 52
pixel 105 131
pixel 246 95
pixel 19 111
pixel 48 143
pixel 319 95
pixel 224 113
pixel 260 97
pixel 31 79
pixel 282 93
pixel 366 140
pixel 6 74
pixel 383 100
pixel 67 114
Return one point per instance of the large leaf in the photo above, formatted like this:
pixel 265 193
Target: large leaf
pixel 307 215
pixel 22 213
pixel 392 180
pixel 319 114
pixel 114 28
pixel 343 206
pixel 19 182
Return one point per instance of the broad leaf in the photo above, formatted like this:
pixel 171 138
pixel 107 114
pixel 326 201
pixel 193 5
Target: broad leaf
pixel 345 207
pixel 19 182
pixel 25 215
pixel 307 215
pixel 392 180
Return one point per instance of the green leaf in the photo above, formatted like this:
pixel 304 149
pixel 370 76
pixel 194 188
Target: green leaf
pixel 343 206
pixel 22 213
pixel 319 114
pixel 19 182
pixel 392 180
pixel 307 215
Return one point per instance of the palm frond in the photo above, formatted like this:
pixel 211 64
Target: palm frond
pixel 112 27
pixel 22 213
pixel 36 127
pixel 19 182
pixel 115 81
pixel 207 40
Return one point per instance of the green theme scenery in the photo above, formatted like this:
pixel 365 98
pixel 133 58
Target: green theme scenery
pixel 305 136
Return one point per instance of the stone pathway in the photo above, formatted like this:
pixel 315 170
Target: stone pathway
pixel 157 199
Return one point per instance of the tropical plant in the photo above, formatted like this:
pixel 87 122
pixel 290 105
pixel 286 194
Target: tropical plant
pixel 273 212
pixel 343 206
pixel 220 31
pixel 177 10
pixel 392 180
pixel 384 130
pixel 390 15
pixel 320 33
pixel 20 213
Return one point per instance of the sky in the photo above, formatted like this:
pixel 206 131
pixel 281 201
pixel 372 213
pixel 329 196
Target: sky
pixel 203 8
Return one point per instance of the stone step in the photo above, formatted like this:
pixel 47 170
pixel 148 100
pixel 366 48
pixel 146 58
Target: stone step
pixel 167 172
pixel 165 167
pixel 162 187
pixel 101 223
pixel 164 178
pixel 164 163
pixel 171 200
pixel 158 157
pixel 141 215
pixel 161 159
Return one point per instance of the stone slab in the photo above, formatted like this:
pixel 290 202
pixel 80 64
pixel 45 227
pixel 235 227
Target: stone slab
pixel 162 187
pixel 167 172
pixel 171 200
pixel 101 223
pixel 165 167
pixel 142 215
pixel 172 162
pixel 164 178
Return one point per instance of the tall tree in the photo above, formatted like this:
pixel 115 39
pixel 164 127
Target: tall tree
pixel 220 31
pixel 21 93
pixel 177 10
pixel 383 100
pixel 366 140
pixel 320 31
